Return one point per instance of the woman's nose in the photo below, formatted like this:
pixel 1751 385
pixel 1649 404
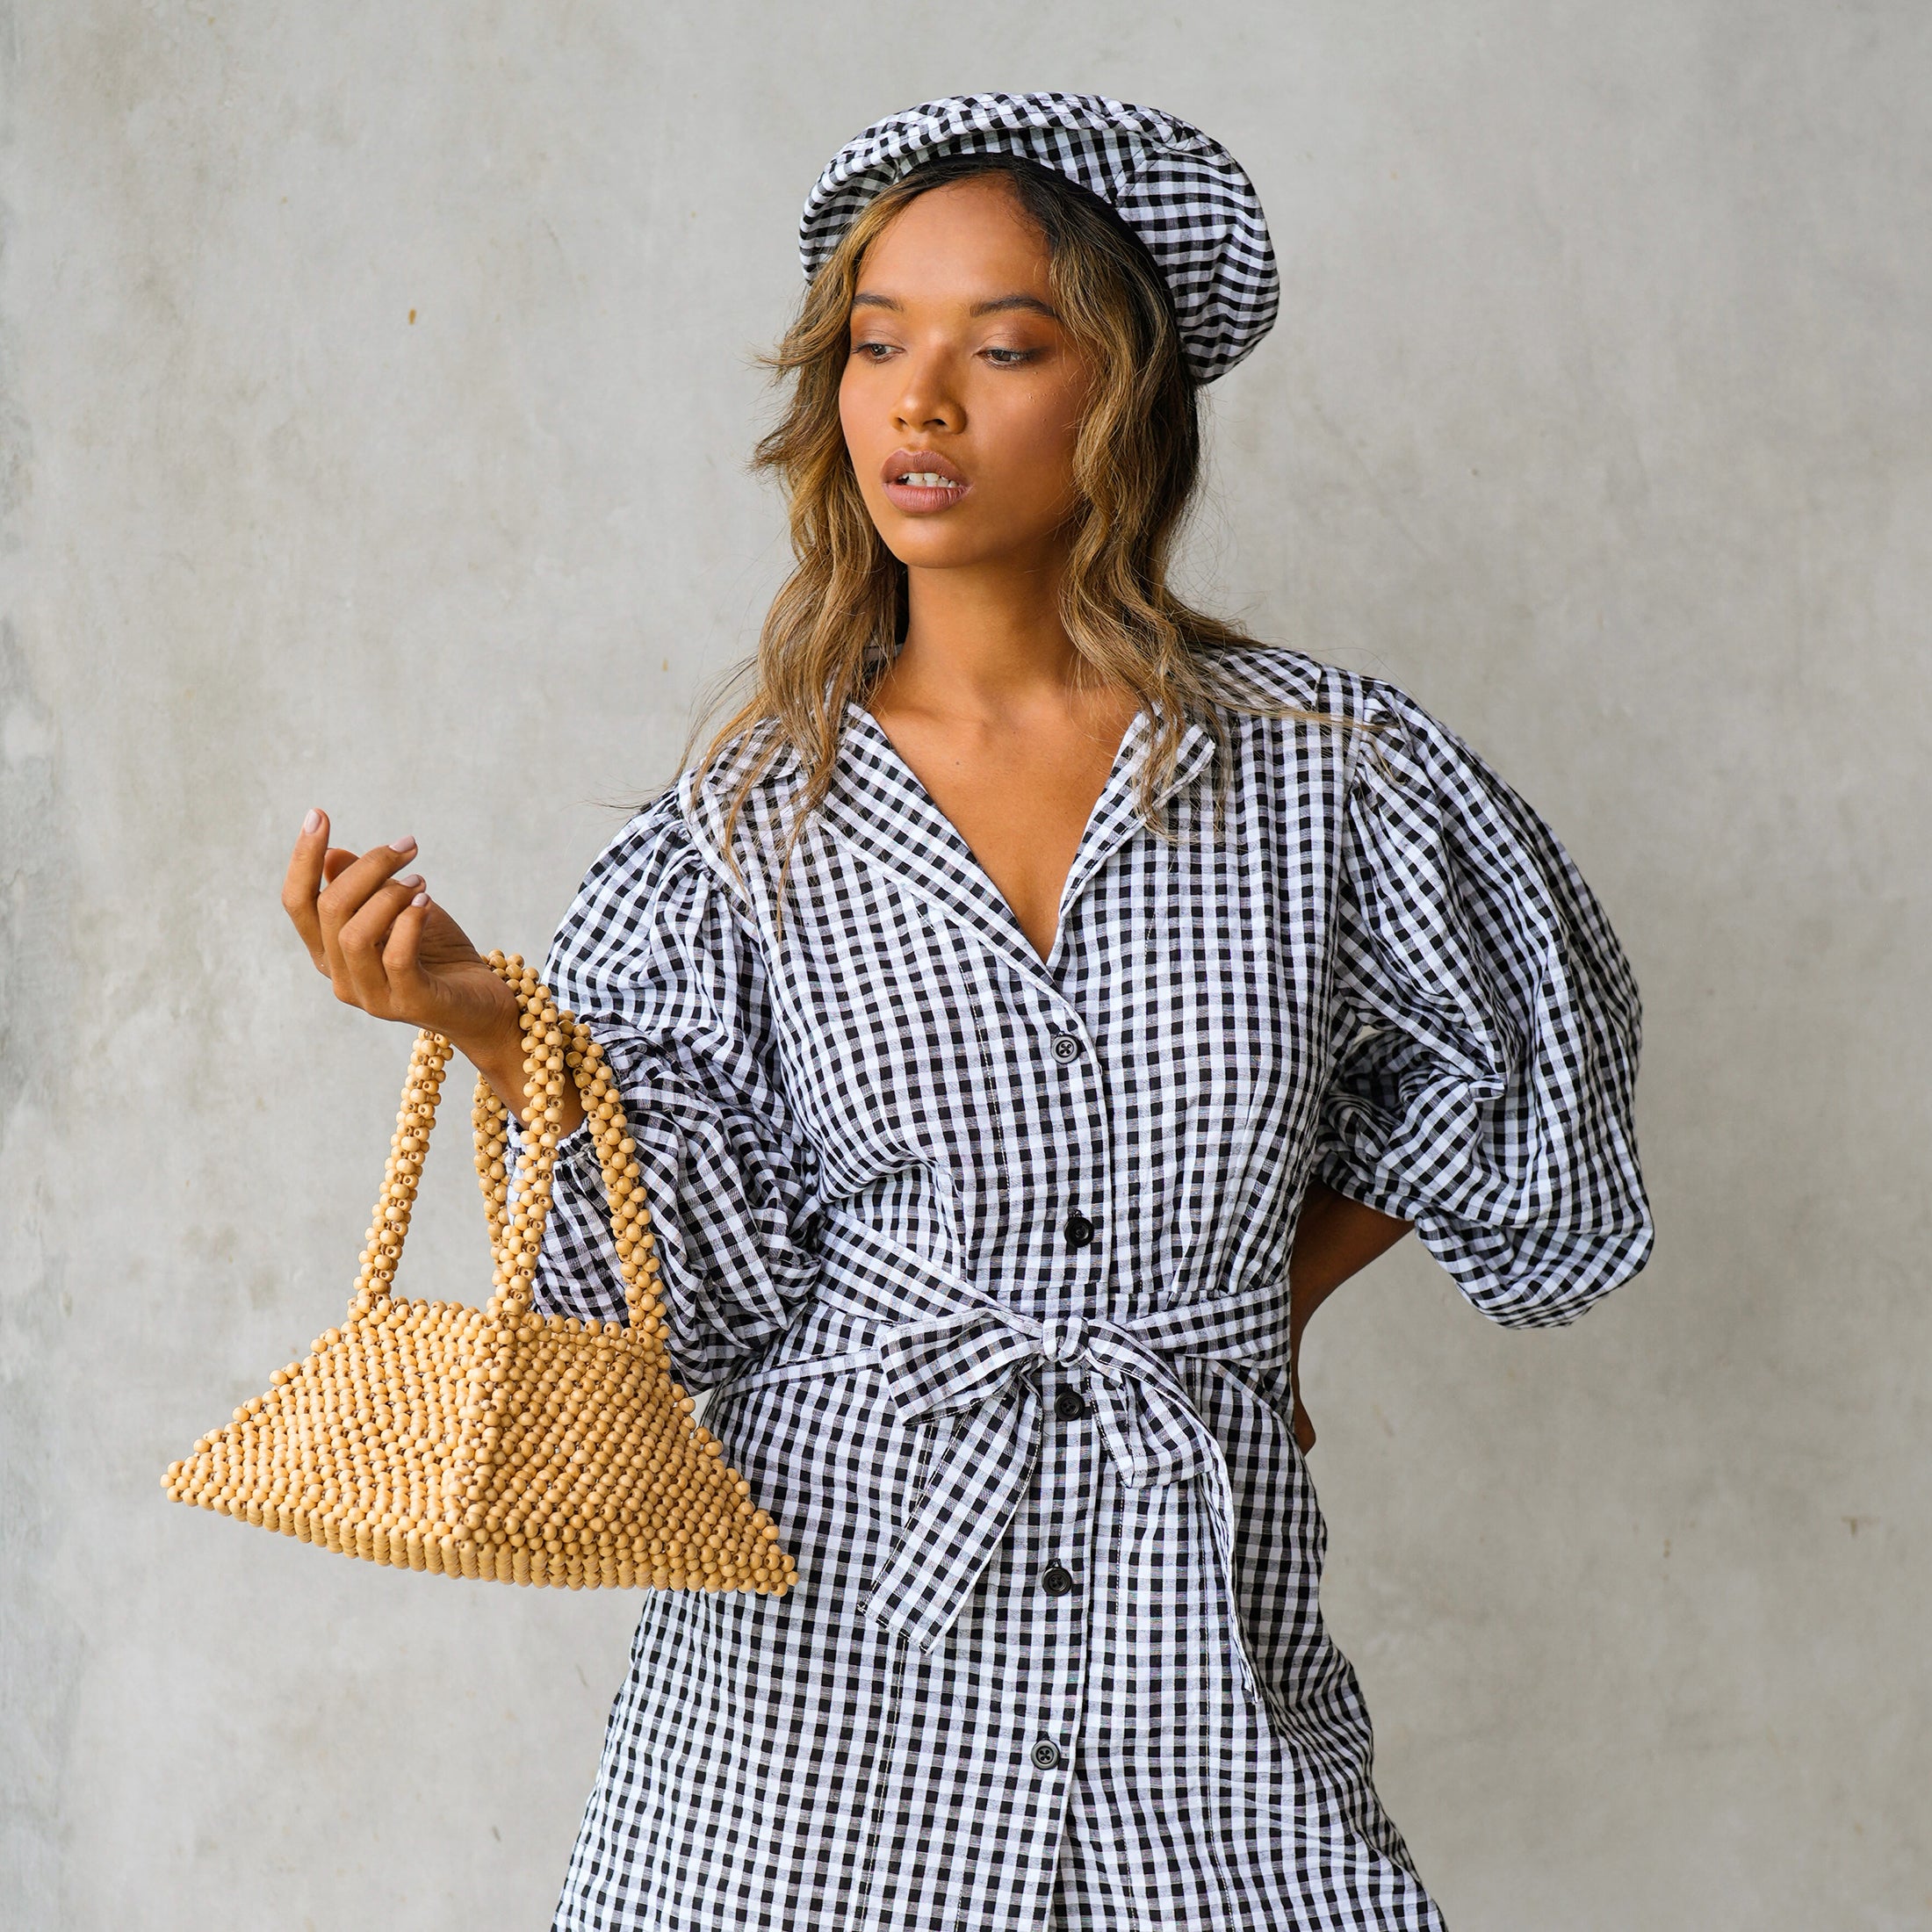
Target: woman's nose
pixel 927 401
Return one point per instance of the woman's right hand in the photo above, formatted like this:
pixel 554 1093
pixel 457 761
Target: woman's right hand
pixel 387 948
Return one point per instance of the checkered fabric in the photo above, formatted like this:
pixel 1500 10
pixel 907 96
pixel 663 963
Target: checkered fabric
pixel 1183 193
pixel 982 1258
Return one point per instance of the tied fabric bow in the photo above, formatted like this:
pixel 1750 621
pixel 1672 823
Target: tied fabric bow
pixel 973 1363
pixel 949 1349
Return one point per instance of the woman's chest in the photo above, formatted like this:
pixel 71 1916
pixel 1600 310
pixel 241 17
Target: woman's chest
pixel 1020 800
pixel 1182 1011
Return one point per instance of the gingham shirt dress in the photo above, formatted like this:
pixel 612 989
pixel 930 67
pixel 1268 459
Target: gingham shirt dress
pixel 985 1259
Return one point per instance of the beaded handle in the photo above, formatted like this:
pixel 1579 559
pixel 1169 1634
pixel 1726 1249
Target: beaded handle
pixel 556 1047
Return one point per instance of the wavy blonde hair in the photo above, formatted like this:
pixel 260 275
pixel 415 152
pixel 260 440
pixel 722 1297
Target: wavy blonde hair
pixel 839 617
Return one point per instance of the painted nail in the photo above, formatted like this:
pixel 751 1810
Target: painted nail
pixel 405 845
pixel 421 899
pixel 313 823
pixel 410 879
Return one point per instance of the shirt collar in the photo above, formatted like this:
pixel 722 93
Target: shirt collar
pixel 877 806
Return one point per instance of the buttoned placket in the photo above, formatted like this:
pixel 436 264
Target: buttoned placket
pixel 1056 1533
pixel 1055 1530
pixel 1078 1083
pixel 1081 1220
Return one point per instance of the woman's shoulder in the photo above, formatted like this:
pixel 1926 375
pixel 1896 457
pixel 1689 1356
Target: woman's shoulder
pixel 1330 718
pixel 1400 729
pixel 736 800
pixel 663 875
pixel 1277 673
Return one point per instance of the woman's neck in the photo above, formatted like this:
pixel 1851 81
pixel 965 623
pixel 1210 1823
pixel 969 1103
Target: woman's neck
pixel 982 642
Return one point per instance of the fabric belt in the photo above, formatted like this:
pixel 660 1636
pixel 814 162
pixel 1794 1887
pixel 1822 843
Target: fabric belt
pixel 955 1350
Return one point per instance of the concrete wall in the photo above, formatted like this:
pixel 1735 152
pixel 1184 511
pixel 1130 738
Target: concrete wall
pixel 377 392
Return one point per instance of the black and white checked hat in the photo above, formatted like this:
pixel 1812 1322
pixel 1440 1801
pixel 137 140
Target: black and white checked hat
pixel 1184 194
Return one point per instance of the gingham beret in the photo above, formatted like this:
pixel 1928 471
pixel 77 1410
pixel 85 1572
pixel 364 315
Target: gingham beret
pixel 1184 194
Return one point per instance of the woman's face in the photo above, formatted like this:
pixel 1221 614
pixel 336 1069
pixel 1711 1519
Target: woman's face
pixel 962 390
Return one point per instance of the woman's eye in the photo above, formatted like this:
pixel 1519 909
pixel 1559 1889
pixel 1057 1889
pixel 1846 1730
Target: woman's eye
pixel 1009 359
pixel 872 351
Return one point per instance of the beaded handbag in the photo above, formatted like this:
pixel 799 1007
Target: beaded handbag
pixel 498 1443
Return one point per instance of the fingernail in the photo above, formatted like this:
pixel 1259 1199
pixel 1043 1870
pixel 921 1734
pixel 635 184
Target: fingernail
pixel 405 844
pixel 410 879
pixel 421 899
pixel 313 823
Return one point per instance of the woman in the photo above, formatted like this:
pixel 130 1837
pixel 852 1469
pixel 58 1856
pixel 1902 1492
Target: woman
pixel 1037 1001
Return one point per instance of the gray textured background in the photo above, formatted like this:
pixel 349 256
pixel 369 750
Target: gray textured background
pixel 1599 417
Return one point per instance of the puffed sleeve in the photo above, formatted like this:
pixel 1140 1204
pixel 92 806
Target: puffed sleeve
pixel 1489 1028
pixel 654 958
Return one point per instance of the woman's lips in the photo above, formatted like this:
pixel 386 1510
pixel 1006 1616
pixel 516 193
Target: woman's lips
pixel 921 481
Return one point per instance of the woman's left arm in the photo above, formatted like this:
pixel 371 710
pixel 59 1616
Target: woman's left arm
pixel 1335 1237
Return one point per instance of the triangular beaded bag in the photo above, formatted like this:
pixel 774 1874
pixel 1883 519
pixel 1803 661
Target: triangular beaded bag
pixel 498 1443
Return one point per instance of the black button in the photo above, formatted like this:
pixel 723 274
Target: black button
pixel 1069 1404
pixel 1046 1755
pixel 1057 1580
pixel 1078 1230
pixel 1065 1047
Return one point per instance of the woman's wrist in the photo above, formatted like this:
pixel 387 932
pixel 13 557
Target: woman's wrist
pixel 498 1056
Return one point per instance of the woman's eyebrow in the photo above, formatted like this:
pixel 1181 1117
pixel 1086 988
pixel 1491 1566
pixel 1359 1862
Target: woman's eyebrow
pixel 1031 302
pixel 866 299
